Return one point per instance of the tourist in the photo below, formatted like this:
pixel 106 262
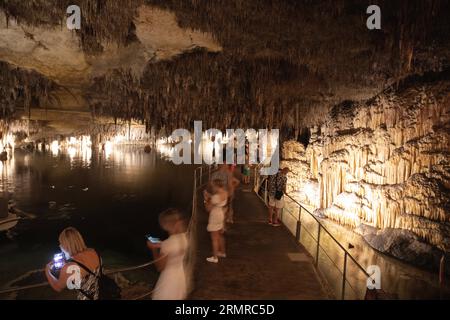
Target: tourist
pixel 277 190
pixel 216 206
pixel 4 155
pixel 225 174
pixel 169 256
pixel 246 171
pixel 232 185
pixel 76 252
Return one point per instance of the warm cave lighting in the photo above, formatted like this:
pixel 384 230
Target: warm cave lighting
pixel 7 142
pixel 75 147
pixel 72 152
pixel 312 196
pixel 120 138
pixel 54 147
pixel 164 147
pixel 108 147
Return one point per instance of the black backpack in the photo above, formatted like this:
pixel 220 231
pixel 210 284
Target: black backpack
pixel 107 287
pixel 278 193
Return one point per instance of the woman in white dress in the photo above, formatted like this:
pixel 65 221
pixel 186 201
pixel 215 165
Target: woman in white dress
pixel 170 253
pixel 216 205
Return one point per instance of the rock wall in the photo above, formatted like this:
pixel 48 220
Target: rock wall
pixel 382 163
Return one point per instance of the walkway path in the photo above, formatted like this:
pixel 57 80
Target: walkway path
pixel 263 262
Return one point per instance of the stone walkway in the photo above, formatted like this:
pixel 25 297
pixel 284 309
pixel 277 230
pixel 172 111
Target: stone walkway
pixel 263 262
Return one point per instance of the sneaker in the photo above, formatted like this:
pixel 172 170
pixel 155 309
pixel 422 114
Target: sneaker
pixel 277 224
pixel 270 222
pixel 212 259
pixel 222 255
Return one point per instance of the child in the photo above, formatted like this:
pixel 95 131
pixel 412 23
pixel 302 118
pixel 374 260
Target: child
pixel 216 205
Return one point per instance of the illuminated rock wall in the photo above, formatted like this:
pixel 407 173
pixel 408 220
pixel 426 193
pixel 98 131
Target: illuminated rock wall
pixel 382 163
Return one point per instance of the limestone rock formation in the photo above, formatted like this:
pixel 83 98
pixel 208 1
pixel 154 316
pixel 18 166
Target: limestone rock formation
pixel 57 55
pixel 382 163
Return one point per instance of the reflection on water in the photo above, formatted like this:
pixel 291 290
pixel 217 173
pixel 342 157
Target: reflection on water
pixel 113 197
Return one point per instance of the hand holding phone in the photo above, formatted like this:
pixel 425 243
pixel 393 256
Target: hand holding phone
pixel 57 264
pixel 58 261
pixel 153 239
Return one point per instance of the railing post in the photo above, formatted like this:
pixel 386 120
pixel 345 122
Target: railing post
pixel 318 246
pixel 299 224
pixel 194 194
pixel 282 215
pixel 344 274
pixel 265 191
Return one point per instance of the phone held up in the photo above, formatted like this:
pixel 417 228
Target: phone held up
pixel 58 263
pixel 152 239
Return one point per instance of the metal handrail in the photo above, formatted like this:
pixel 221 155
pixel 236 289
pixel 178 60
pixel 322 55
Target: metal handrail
pixel 15 219
pixel 110 272
pixel 10 220
pixel 329 233
pixel 321 227
pixel 141 266
pixel 22 288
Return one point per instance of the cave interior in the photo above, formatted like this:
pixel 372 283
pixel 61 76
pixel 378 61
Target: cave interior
pixel 364 115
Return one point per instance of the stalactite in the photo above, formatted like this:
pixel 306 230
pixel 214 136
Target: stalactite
pixel 267 31
pixel 19 88
pixel 114 26
pixel 384 162
pixel 218 89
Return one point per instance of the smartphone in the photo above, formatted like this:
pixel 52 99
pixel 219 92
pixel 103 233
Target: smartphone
pixel 58 261
pixel 153 239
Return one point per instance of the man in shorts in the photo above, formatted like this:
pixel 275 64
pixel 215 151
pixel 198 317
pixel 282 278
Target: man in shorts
pixel 276 190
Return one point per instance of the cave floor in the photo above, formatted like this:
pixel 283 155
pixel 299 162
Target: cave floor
pixel 263 262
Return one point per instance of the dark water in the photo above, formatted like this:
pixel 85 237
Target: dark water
pixel 113 199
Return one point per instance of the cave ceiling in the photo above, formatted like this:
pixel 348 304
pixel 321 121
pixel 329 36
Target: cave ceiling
pixel 229 63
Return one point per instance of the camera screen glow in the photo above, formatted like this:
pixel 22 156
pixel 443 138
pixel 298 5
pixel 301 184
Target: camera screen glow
pixel 58 260
pixel 153 239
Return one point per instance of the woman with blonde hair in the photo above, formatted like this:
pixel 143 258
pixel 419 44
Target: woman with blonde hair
pixel 76 253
